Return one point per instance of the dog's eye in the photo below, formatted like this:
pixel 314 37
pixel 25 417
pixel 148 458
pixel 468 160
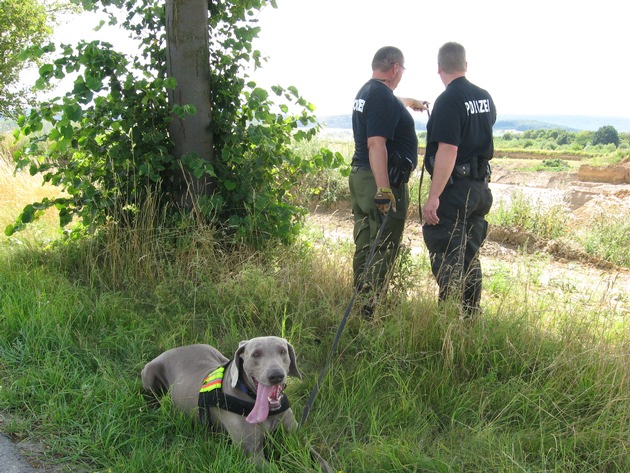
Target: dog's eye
pixel 256 354
pixel 283 351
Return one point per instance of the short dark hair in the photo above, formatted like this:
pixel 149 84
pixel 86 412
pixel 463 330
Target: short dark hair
pixel 386 57
pixel 452 58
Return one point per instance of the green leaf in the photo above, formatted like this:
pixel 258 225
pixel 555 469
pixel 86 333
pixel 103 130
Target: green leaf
pixel 260 94
pixel 79 86
pixel 31 53
pixel 46 71
pixel 73 112
pixel 183 111
pixel 41 83
pixel 28 214
pixel 65 217
pixel 93 83
pixel 170 83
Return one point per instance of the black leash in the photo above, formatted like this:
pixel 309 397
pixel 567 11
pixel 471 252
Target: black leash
pixel 420 191
pixel 421 177
pixel 342 325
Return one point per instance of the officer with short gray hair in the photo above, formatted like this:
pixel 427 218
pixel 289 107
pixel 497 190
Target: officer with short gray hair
pixel 386 151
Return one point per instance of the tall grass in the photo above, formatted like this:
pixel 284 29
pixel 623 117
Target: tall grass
pixel 527 389
pixel 543 219
pixel 608 236
pixel 539 384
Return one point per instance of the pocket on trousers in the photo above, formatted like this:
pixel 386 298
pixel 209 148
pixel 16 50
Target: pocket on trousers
pixel 402 202
pixel 436 237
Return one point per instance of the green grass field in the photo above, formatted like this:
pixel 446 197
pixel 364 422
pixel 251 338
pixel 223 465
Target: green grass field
pixel 539 384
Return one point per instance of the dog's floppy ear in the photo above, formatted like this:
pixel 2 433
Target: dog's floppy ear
pixel 236 363
pixel 293 369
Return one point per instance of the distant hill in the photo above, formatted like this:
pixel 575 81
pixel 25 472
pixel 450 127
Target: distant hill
pixel 504 123
pixel 516 122
pixel 566 122
pixel 523 125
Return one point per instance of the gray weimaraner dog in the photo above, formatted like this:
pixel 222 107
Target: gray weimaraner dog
pixel 242 396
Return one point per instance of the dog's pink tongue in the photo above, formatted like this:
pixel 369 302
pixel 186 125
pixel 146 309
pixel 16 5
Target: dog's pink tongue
pixel 260 412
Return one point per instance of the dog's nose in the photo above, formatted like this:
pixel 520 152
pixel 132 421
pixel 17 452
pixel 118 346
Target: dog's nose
pixel 276 376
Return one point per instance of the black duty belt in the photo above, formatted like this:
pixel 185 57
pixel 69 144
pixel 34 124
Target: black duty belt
pixel 470 178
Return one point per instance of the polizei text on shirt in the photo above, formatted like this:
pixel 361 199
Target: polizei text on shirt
pixel 477 106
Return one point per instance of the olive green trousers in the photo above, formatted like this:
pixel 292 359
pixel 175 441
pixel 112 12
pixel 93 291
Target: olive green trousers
pixel 367 221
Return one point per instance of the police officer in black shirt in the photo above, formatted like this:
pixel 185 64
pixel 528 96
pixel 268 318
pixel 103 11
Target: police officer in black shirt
pixel 385 138
pixel 459 148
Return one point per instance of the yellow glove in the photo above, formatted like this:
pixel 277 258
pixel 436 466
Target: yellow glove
pixel 384 199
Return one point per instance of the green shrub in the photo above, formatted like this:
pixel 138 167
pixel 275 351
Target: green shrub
pixel 554 164
pixel 608 238
pixel 534 216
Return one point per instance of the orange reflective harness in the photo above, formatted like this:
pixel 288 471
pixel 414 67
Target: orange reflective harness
pixel 211 395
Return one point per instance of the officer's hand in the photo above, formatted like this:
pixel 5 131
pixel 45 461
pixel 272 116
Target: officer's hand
pixel 419 105
pixel 430 211
pixel 384 199
pixel 415 104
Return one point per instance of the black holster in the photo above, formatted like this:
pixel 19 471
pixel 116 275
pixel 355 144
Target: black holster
pixel 399 169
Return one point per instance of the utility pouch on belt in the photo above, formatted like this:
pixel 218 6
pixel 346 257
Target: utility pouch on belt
pixel 459 171
pixel 399 170
pixel 462 170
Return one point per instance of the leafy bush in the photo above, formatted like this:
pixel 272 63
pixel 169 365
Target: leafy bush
pixel 110 151
pixel 554 164
pixel 608 238
pixel 543 220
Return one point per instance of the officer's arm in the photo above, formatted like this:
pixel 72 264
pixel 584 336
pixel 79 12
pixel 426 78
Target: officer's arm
pixel 378 160
pixel 444 163
pixel 443 168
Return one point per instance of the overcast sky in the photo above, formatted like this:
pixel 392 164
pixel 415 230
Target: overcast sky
pixel 537 57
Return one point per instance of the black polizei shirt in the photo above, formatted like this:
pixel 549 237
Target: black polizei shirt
pixel 463 116
pixel 378 112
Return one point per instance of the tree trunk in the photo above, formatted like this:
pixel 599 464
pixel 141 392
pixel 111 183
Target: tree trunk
pixel 187 60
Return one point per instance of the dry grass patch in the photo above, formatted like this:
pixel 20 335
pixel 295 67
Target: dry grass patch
pixel 18 189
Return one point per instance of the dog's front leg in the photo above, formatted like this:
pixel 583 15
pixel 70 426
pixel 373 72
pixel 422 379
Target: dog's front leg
pixel 288 421
pixel 251 438
pixel 253 445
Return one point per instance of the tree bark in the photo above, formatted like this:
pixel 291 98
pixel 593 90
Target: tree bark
pixel 188 62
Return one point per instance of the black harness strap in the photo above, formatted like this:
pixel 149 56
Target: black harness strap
pixel 422 177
